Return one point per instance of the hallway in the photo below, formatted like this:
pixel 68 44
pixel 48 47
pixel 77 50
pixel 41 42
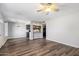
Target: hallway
pixel 36 47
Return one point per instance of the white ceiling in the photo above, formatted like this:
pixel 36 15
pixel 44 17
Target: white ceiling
pixel 27 11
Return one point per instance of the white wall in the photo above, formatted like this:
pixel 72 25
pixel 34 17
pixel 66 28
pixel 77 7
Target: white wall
pixel 6 29
pixel 64 28
pixel 38 35
pixel 16 30
pixel 1 34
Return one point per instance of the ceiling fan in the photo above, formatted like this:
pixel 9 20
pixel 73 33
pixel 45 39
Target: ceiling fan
pixel 48 7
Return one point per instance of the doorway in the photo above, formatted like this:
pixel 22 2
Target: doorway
pixel 28 31
pixel 44 31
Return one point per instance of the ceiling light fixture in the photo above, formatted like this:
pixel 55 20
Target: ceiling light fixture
pixel 47 8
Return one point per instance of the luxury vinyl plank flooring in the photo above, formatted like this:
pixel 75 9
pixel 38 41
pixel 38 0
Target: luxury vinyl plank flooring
pixel 36 47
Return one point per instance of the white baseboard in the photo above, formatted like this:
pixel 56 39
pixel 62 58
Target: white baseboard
pixel 75 46
pixel 15 37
